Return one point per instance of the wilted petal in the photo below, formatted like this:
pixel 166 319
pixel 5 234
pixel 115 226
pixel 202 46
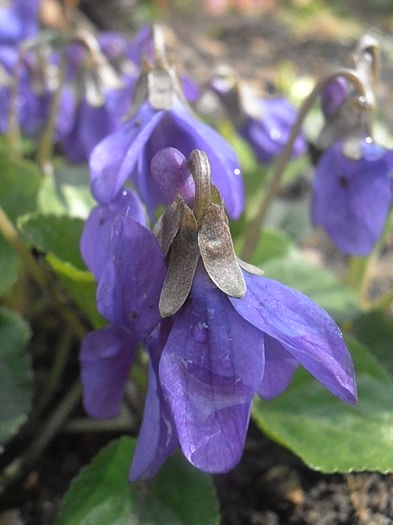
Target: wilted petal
pixel 303 328
pixel 96 237
pixel 157 438
pixel 351 198
pixel 279 369
pixel 211 367
pixel 113 159
pixel 105 361
pixel 129 289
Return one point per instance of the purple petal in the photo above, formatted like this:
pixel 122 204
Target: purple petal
pixel 113 159
pixel 18 21
pixel 211 367
pixel 269 135
pixel 333 96
pixel 226 173
pixel 96 237
pixel 105 360
pixel 351 198
pixel 308 333
pixel 157 438
pixel 129 289
pixel 279 369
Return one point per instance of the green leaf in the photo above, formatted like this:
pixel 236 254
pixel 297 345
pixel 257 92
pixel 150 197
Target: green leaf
pixel 58 235
pixel 273 243
pixel 101 494
pixel 81 286
pixel 280 260
pixel 9 264
pixel 375 330
pixel 67 192
pixel 19 185
pixel 15 374
pixel 326 433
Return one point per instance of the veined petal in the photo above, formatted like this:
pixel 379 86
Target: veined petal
pixel 129 289
pixel 114 158
pixel 96 237
pixel 157 438
pixel 308 333
pixel 105 361
pixel 211 367
pixel 279 369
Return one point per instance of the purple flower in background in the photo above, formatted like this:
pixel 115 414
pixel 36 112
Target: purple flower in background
pixel 264 123
pixel 268 134
pixel 127 153
pixel 99 93
pixel 33 89
pixel 18 20
pixel 226 334
pixel 352 198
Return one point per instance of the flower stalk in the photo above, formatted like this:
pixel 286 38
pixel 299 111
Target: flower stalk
pixel 253 231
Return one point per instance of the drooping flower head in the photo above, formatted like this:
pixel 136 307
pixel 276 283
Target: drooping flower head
pixel 226 333
pixel 99 93
pixel 352 197
pixel 264 123
pixel 352 189
pixel 161 118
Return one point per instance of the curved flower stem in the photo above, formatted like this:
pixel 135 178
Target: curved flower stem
pixel 254 228
pixel 8 230
pixel 14 134
pixel 45 148
pixel 55 421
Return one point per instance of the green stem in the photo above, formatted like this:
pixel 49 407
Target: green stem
pixel 358 268
pixel 45 148
pixel 56 420
pixel 8 230
pixel 59 363
pixel 253 231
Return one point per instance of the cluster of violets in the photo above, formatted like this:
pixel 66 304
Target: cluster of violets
pixel 217 332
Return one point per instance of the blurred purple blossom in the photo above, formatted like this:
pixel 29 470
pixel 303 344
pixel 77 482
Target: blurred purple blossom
pixel 18 21
pixel 352 197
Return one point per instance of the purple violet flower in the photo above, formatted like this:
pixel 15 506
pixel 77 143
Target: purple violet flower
pixel 18 21
pixel 264 123
pixel 352 197
pixel 99 90
pixel 268 135
pixel 226 335
pixel 161 119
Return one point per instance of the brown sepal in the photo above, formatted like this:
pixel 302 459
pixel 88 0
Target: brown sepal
pixel 183 261
pixel 218 254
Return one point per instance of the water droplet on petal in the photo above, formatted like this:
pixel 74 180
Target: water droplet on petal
pixel 236 171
